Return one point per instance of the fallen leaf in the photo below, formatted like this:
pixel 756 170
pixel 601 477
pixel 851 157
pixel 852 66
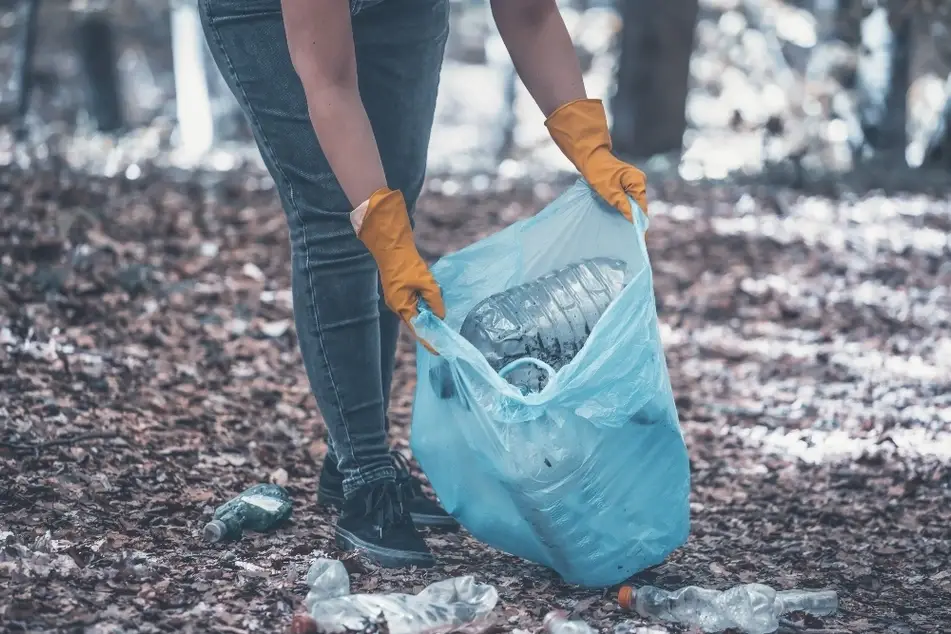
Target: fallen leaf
pixel 251 270
pixel 276 329
pixel 303 624
pixel 252 569
pixel 943 574
pixel 279 476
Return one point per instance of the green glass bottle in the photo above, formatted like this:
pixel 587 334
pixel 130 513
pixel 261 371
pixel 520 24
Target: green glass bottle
pixel 259 509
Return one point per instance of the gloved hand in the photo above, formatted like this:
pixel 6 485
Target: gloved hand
pixel 580 129
pixel 383 226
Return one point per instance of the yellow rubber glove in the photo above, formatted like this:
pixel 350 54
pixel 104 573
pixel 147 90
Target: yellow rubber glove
pixel 580 129
pixel 382 223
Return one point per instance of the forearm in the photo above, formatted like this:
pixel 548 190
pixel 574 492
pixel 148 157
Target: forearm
pixel 320 41
pixel 347 141
pixel 538 42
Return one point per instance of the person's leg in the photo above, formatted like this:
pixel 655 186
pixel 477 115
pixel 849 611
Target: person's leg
pixel 334 277
pixel 399 46
pixel 331 479
pixel 399 56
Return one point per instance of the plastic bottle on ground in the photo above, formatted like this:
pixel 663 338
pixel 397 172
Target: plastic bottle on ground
pixel 449 602
pixel 752 608
pixel 259 508
pixel 557 622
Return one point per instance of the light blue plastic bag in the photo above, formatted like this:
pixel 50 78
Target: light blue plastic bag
pixel 590 476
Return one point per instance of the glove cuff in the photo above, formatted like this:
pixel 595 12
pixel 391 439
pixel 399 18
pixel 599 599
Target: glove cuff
pixel 579 128
pixel 385 224
pixel 576 105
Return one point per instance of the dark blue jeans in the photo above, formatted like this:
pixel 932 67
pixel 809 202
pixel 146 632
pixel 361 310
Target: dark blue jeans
pixel 347 335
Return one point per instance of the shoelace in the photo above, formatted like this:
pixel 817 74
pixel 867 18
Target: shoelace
pixel 404 476
pixel 385 505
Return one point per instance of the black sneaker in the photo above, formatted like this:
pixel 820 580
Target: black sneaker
pixel 376 523
pixel 426 513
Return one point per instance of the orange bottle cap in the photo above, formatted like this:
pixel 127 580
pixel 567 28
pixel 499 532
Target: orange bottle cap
pixel 625 597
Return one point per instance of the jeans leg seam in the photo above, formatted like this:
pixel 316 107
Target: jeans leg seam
pixel 293 199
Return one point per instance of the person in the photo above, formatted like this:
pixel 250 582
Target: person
pixel 340 96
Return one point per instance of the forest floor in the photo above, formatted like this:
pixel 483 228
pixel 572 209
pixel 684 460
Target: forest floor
pixel 149 371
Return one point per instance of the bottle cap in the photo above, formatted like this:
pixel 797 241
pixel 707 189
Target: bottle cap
pixel 214 531
pixel 625 597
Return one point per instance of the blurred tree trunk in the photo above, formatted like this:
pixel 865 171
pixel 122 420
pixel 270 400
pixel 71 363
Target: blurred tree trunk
pixel 883 79
pixel 938 153
pixel 653 71
pixel 509 119
pixel 826 13
pixel 848 17
pixel 19 85
pixel 194 112
pixel 95 44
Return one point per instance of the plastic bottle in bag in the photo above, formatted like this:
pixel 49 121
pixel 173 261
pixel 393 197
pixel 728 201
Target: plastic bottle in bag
pixel 548 319
pixel 259 508
pixel 752 608
pixel 449 602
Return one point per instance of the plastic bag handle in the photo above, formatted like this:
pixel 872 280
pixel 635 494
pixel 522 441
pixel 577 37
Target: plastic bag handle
pixel 421 305
pixel 538 363
pixel 639 215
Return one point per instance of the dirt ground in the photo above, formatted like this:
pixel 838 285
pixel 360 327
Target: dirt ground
pixel 149 371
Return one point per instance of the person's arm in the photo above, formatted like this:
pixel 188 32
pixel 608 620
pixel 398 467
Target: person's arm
pixel 320 41
pixel 538 42
pixel 544 56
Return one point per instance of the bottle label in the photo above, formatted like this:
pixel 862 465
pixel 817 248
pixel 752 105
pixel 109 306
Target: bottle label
pixel 269 504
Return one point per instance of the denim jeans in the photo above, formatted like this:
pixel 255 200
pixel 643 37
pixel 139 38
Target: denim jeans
pixel 347 335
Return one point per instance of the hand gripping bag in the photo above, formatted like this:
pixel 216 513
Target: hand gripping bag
pixel 590 476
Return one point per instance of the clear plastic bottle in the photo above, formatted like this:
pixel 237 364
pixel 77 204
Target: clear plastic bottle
pixel 752 608
pixel 449 602
pixel 549 318
pixel 556 622
pixel 259 508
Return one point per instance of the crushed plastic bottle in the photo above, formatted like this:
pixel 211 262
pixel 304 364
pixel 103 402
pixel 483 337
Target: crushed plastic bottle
pixel 449 602
pixel 259 508
pixel 548 319
pixel 557 622
pixel 752 608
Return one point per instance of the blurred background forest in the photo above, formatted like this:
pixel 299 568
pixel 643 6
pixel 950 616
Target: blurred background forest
pixel 799 179
pixel 737 85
